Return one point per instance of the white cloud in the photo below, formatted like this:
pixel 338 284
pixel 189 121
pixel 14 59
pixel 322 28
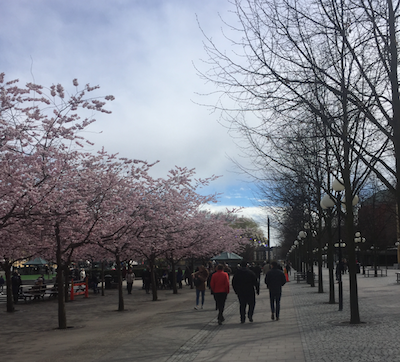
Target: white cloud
pixel 142 52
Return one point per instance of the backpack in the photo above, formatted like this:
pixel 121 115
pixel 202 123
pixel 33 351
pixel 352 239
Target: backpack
pixel 196 281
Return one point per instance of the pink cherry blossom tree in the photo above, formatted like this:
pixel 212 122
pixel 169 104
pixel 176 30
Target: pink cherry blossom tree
pixel 171 218
pixel 38 130
pixel 200 235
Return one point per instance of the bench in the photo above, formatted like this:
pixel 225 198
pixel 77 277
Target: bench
pixel 53 292
pixel 398 277
pixel 37 292
pixel 299 276
pixel 379 272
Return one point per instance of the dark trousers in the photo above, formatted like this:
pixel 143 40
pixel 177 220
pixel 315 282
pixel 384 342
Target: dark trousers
pixel 275 300
pixel 220 299
pixel 129 287
pixel 244 300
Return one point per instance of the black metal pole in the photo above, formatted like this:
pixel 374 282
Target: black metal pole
pixel 269 243
pixel 340 266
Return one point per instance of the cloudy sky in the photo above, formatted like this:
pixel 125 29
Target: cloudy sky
pixel 143 52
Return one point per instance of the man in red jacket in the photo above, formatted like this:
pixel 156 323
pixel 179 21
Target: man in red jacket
pixel 220 287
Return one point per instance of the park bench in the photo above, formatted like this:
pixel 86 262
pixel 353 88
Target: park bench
pixel 299 276
pixel 52 292
pixel 379 272
pixel 398 277
pixel 37 291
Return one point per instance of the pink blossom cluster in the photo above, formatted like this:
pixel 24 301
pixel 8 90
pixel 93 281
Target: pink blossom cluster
pixel 64 204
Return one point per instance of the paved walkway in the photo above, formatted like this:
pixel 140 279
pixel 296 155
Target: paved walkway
pixel 170 330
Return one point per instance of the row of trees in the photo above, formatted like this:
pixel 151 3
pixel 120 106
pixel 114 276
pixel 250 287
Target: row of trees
pixel 64 203
pixel 315 92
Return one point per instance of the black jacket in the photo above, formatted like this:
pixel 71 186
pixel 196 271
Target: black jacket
pixel 245 282
pixel 275 279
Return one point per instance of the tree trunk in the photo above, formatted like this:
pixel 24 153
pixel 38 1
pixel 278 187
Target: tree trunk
pixel 330 258
pixel 10 301
pixel 173 281
pixel 153 280
pixel 62 315
pixel 119 276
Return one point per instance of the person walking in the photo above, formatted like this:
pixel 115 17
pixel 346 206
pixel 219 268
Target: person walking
pixel 146 277
pixel 275 280
pixel 200 278
pixel 219 285
pixel 256 269
pixel 130 278
pixel 16 283
pixel 244 283
pixel 2 281
pixel 179 277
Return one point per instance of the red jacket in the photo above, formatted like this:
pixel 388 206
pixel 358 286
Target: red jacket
pixel 220 282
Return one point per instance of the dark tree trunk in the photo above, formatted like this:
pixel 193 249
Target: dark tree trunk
pixel 153 280
pixel 10 301
pixel 62 315
pixel 173 281
pixel 121 306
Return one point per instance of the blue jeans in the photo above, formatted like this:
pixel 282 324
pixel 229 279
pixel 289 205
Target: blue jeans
pixel 275 300
pixel 198 295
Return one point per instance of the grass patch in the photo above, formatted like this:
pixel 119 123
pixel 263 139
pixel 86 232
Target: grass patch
pixel 35 276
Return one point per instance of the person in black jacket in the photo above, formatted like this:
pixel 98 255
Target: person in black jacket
pixel 275 279
pixel 244 283
pixel 15 285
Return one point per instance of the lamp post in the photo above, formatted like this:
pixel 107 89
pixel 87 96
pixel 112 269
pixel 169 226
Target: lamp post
pixel 302 235
pixel 338 186
pixel 374 250
pixel 326 203
pixel 358 240
pixel 310 271
pixel 296 255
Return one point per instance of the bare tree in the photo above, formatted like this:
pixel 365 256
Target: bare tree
pixel 336 59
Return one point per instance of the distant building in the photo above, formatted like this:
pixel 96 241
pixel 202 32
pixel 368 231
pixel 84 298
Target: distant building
pixel 377 223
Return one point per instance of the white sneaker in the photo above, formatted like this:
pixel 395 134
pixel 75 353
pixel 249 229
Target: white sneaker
pixel 196 307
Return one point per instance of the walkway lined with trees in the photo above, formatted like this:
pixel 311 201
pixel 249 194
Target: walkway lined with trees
pixel 63 203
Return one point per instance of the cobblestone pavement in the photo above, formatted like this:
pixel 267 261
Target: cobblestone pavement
pixel 170 330
pixel 327 334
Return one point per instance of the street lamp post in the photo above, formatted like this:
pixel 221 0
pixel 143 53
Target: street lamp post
pixel 297 255
pixel 326 203
pixel 338 186
pixel 310 271
pixel 358 240
pixel 302 235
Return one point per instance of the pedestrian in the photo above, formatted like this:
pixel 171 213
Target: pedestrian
pixel 164 278
pixel 146 277
pixel 188 275
pixel 129 277
pixel 200 278
pixel 179 277
pixel 93 283
pixel 288 267
pixel 220 288
pixel 16 283
pixel 244 283
pixel 82 275
pixel 275 280
pixel 256 269
pixel 227 269
pixel 339 270
pixel 2 281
